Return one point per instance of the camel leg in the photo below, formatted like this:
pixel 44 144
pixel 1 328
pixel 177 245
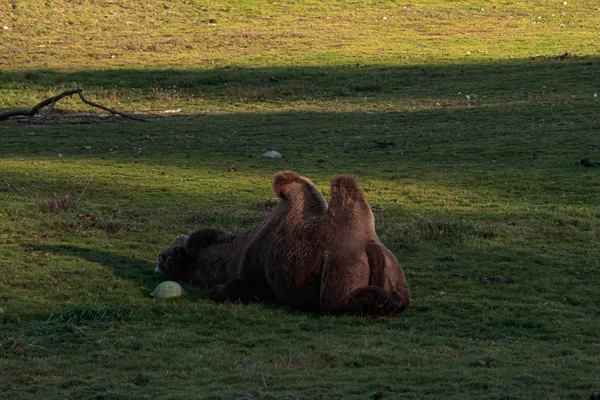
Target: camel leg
pixel 387 273
pixel 373 283
pixel 340 278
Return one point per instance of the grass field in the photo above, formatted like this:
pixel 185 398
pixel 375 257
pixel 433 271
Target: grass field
pixel 460 119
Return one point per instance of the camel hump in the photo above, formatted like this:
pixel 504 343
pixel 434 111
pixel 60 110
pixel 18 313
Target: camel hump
pixel 346 186
pixel 202 238
pixel 301 193
pixel 283 179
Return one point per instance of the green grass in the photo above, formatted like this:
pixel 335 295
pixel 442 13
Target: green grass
pixel 482 199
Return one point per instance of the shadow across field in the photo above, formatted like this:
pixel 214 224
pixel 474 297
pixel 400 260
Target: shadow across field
pixel 530 149
pixel 531 115
pixel 125 267
pixel 247 85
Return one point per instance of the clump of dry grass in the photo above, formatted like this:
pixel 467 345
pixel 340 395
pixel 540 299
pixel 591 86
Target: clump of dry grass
pixel 114 225
pixel 57 204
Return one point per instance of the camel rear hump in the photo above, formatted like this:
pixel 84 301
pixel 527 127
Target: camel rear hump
pixel 347 188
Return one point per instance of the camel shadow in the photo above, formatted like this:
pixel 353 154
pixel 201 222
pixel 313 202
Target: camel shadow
pixel 124 267
pixel 136 270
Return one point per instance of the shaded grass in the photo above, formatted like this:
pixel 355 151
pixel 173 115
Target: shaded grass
pixel 71 321
pixel 315 88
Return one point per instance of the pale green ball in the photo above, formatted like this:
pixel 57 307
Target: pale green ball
pixel 167 289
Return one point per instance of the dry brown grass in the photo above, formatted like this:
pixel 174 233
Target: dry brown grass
pixel 58 204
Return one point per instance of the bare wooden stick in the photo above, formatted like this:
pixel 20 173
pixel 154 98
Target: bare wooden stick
pixel 91 103
pixel 52 101
pixel 45 114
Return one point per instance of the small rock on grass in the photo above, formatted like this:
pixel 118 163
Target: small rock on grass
pixel 272 154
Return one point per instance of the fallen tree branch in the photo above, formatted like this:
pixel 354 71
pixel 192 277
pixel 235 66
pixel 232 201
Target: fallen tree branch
pixel 52 101
pixel 37 107
pixel 91 103
pixel 45 114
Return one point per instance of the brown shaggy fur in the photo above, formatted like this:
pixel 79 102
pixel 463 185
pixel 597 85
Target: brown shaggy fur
pixel 304 255
pixel 360 275
pixel 321 258
pixel 210 258
pixel 205 258
pixel 282 250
